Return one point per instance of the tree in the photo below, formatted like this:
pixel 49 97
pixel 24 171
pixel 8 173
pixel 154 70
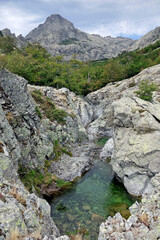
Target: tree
pixel 7 44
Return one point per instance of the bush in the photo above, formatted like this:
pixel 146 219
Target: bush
pixel 37 95
pixel 59 150
pixel 57 114
pixel 30 178
pixel 7 44
pixel 34 178
pixel 145 90
pixel 62 183
pixel 38 112
pixel 48 108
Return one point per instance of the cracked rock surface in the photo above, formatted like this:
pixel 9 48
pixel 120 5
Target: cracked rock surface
pixel 114 111
pixel 135 127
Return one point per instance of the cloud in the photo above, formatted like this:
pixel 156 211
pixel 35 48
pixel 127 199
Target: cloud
pixel 120 28
pixel 17 20
pixel 104 17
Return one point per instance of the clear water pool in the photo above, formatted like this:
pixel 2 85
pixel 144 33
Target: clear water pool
pixel 90 201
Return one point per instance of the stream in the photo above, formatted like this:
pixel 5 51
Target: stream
pixel 85 205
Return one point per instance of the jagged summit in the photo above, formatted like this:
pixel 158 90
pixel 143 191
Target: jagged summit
pixel 55 29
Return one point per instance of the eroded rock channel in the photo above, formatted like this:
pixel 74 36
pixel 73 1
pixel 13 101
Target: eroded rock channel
pixel 33 119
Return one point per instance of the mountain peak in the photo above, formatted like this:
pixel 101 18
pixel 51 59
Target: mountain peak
pixel 55 16
pixel 58 22
pixel 55 30
pixel 7 32
pixel 60 37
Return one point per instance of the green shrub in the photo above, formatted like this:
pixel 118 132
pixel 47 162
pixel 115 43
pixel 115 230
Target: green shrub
pixel 34 178
pixel 64 150
pixel 59 150
pixel 49 102
pixel 145 90
pixel 37 95
pixel 31 177
pixel 62 183
pixel 47 180
pixel 7 44
pixel 38 112
pixel 58 115
pixel 48 107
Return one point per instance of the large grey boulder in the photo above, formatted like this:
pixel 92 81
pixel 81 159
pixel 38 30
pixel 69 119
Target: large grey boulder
pixel 136 137
pixel 68 168
pixel 107 150
pixel 143 224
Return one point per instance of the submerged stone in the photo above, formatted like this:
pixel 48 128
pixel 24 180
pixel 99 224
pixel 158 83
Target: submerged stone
pixel 97 218
pixel 86 208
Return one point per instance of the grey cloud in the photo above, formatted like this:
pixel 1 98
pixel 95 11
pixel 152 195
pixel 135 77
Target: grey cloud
pixel 105 17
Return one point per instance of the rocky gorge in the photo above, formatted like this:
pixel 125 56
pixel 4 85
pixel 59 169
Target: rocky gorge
pixel 27 139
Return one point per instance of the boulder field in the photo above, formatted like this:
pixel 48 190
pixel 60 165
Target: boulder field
pixel 27 139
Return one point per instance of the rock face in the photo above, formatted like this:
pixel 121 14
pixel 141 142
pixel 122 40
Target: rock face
pixel 135 127
pixel 25 212
pixel 149 38
pixel 107 150
pixel 80 114
pixel 114 111
pixel 60 37
pixel 24 137
pixel 27 140
pixel 143 224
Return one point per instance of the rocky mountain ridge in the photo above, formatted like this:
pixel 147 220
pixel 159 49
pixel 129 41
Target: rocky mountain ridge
pixel 59 37
pixel 149 38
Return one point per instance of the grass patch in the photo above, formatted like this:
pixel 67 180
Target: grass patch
pixel 31 178
pixel 146 89
pixel 101 141
pixel 48 108
pixel 59 150
pixel 132 84
pixel 61 183
pixel 34 178
pixel 68 41
pixel 38 112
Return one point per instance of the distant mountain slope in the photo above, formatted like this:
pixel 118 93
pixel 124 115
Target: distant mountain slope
pixel 60 37
pixel 149 38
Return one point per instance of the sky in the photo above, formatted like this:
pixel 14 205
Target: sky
pixel 128 18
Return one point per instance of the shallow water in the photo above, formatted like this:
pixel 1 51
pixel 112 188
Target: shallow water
pixel 91 199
